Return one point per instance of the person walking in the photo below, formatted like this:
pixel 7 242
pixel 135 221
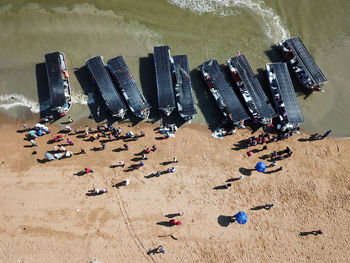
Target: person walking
pixel 272 164
pixel 26 127
pixel 317 232
pixel 268 206
pixel 69 141
pixel 160 249
pixel 88 170
pixel 326 134
pixel 103 146
pixel 34 143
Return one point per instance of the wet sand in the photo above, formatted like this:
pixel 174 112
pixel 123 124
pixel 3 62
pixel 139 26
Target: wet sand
pixel 47 216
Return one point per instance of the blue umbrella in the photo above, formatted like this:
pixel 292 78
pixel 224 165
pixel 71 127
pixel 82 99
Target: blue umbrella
pixel 241 217
pixel 260 167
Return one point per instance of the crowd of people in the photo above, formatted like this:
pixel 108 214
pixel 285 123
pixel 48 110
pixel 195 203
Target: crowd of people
pixel 110 133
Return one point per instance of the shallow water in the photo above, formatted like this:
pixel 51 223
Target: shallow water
pixel 202 29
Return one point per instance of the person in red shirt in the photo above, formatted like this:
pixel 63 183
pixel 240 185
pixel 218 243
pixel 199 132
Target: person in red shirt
pixel 88 170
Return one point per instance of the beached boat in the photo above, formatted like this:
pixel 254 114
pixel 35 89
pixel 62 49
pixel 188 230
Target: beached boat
pixel 128 87
pixel 59 85
pixel 183 88
pixel 225 97
pixel 302 64
pixel 165 89
pixel 247 83
pixel 107 88
pixel 284 97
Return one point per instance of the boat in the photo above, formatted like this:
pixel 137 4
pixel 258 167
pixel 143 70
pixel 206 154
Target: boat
pixel 183 88
pixel 165 89
pixel 59 84
pixel 227 100
pixel 284 97
pixel 302 64
pixel 128 87
pixel 106 87
pixel 248 85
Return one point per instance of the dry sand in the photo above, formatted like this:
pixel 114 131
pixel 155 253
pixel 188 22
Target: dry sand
pixel 47 217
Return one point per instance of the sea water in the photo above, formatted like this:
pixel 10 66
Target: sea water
pixel 202 29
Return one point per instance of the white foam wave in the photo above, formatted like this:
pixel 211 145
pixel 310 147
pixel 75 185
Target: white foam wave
pixel 8 101
pixel 80 98
pixel 15 100
pixel 274 29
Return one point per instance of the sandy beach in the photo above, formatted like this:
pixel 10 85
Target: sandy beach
pixel 46 215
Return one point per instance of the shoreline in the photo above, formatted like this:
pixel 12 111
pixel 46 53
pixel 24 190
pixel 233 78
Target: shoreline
pixel 34 118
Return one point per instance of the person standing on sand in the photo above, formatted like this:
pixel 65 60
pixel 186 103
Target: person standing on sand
pixel 122 164
pixel 272 164
pixel 326 134
pixel 26 127
pixel 103 146
pixel 88 170
pixel 86 131
pixel 317 232
pixel 126 146
pixel 34 143
pixel 171 170
pixel 268 206
pixel 70 120
pixel 175 160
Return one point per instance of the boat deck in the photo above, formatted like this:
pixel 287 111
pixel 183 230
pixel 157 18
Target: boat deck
pixel 165 90
pixel 54 75
pixel 305 59
pixel 286 90
pixel 234 106
pixel 250 81
pixel 185 97
pixel 127 84
pixel 105 83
